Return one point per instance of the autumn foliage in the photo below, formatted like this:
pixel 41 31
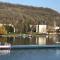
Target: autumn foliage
pixel 24 16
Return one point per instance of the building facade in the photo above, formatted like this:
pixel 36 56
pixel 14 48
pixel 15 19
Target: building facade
pixel 41 28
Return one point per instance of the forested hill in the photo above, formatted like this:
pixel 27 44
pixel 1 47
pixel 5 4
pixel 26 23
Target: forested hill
pixel 23 16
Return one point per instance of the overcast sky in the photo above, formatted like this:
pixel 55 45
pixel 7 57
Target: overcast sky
pixel 54 4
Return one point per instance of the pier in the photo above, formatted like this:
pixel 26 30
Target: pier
pixel 30 47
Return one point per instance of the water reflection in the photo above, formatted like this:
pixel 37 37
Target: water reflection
pixel 4 52
pixel 5 41
pixel 35 40
pixel 53 39
pixel 41 40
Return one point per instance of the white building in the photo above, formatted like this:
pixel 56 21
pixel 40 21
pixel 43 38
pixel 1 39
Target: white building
pixel 41 28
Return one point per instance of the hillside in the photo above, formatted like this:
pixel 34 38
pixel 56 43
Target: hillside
pixel 23 16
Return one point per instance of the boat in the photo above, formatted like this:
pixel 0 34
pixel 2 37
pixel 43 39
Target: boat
pixel 6 46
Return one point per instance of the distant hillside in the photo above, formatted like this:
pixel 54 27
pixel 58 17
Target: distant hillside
pixel 23 16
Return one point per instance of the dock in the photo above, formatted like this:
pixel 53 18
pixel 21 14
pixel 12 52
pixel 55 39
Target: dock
pixel 35 46
pixel 30 47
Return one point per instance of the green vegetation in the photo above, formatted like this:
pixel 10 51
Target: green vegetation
pixel 24 16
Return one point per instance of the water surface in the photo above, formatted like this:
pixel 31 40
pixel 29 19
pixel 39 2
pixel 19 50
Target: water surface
pixel 34 40
pixel 31 54
pixel 37 54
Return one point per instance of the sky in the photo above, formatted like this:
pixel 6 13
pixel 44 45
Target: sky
pixel 53 4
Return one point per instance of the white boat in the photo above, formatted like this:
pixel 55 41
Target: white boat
pixel 6 46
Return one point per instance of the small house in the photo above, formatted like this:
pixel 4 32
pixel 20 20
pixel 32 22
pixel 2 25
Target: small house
pixel 41 28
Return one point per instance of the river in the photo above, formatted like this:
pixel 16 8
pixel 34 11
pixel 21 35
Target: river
pixel 31 54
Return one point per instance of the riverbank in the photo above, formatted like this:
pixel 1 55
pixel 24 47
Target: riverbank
pixel 27 35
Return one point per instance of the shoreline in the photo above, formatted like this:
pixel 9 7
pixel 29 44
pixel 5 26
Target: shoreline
pixel 28 35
